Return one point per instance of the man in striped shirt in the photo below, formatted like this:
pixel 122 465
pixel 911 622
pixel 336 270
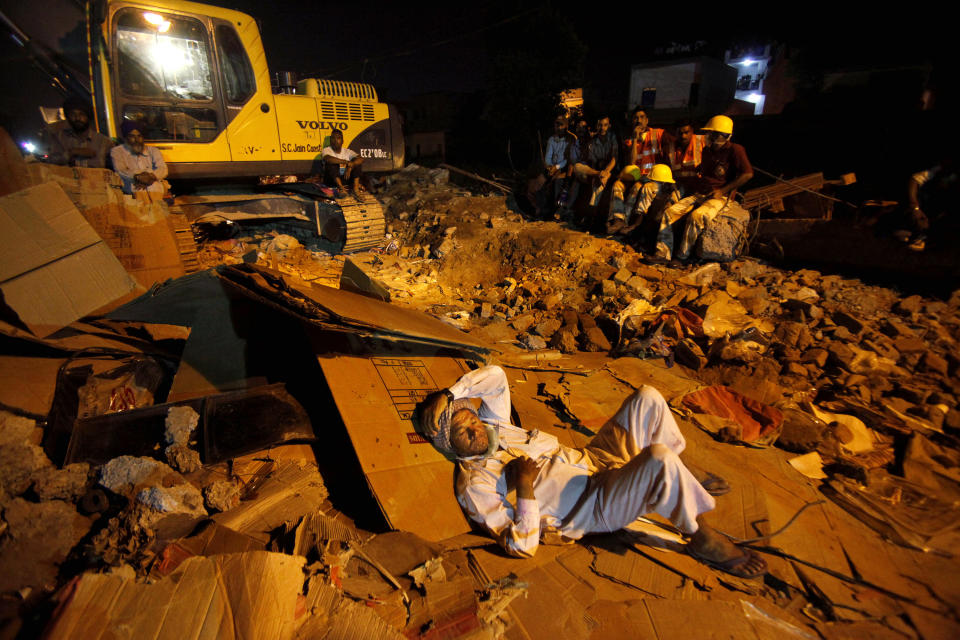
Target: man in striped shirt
pixel 630 468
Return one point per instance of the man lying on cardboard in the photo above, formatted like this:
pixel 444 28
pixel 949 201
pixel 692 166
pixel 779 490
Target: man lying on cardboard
pixel 630 468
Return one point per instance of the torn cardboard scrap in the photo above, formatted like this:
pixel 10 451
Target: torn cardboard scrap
pixel 236 596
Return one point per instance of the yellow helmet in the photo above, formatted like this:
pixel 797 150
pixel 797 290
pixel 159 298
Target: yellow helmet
pixel 632 171
pixel 720 124
pixel 661 173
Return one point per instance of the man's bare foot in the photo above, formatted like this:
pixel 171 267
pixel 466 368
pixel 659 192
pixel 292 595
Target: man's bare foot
pixel 714 550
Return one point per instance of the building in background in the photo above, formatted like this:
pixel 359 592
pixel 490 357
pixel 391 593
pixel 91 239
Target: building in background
pixel 697 87
pixel 762 76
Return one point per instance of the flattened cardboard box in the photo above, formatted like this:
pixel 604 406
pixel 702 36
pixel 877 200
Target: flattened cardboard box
pixel 54 267
pixel 411 480
pixel 138 233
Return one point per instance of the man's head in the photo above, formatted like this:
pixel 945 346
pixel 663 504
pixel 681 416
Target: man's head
pixel 336 140
pixel 132 131
pixel 560 125
pixel 468 435
pixel 640 119
pixel 77 112
pixel 603 126
pixel 718 130
pixel 684 132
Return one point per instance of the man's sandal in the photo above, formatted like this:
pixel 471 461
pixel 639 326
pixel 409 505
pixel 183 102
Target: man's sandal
pixel 715 485
pixel 734 566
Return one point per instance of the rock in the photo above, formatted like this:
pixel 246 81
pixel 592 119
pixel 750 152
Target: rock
pixel 809 310
pixel 844 334
pixel 443 248
pixel 639 285
pixel 816 356
pixel 221 495
pixel 170 511
pixel 895 329
pixel 19 464
pixel 909 305
pixel 608 288
pixel 123 474
pixel 180 423
pixel 571 320
pixel 522 323
pixel 15 429
pixel 486 310
pixel 38 538
pixel 648 273
pixel 909 345
pixel 622 276
pixel 533 343
pixel 550 302
pixel 952 420
pixel 725 236
pixel 565 340
pixel 586 321
pixel 795 369
pixel 593 339
pixel 841 355
pixel 933 363
pixel 182 458
pixel 547 328
pixel 281 244
pixel 69 483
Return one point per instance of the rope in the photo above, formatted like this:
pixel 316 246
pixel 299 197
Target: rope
pixel 802 188
pixel 778 531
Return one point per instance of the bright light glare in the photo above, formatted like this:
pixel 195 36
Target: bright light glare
pixel 157 20
pixel 754 97
pixel 747 62
pixel 169 56
pixel 29 147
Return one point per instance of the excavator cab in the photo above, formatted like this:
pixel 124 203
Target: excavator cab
pixel 197 77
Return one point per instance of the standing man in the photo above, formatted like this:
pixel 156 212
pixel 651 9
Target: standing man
pixel 73 141
pixel 630 468
pixel 341 165
pixel 141 168
pixel 723 169
pixel 686 154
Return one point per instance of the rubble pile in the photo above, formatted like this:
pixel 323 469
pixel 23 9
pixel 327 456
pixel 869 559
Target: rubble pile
pixel 786 336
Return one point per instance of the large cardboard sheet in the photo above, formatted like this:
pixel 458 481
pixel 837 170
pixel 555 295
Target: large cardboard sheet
pixel 54 267
pixel 411 480
pixel 138 233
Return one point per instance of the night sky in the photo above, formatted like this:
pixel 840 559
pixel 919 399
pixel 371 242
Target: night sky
pixel 408 48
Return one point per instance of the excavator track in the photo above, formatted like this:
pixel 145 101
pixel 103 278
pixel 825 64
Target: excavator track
pixel 356 221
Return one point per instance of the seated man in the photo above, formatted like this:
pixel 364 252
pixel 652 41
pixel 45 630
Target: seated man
pixel 341 165
pixel 686 154
pixel 562 153
pixel 723 169
pixel 931 196
pixel 141 168
pixel 599 160
pixel 650 228
pixel 73 141
pixel 631 467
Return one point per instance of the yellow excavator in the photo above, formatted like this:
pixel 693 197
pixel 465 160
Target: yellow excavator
pixel 197 76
